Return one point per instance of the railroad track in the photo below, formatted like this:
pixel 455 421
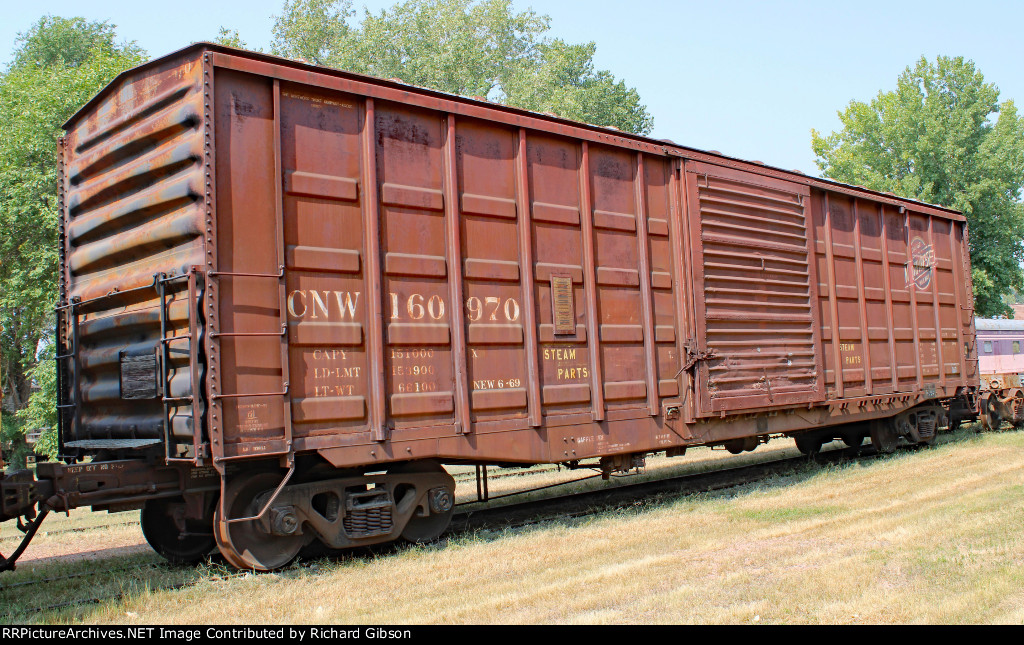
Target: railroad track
pixel 82 574
pixel 518 472
pixel 78 529
pixel 495 517
pixel 585 503
pixel 462 478
pixel 459 478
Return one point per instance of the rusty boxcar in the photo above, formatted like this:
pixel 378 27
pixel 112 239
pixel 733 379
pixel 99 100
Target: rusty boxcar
pixel 290 293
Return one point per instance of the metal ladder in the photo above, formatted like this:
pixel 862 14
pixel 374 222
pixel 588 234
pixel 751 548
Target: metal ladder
pixel 200 449
pixel 63 334
pixel 282 333
pixel 69 394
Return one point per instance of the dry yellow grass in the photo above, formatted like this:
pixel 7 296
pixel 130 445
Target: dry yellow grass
pixel 83 535
pixel 933 536
pixel 98 536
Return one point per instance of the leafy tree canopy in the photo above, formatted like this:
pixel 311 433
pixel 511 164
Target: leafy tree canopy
pixel 942 137
pixel 58 65
pixel 55 42
pixel 473 48
pixel 230 38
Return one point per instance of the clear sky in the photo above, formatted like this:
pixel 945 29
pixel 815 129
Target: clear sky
pixel 749 79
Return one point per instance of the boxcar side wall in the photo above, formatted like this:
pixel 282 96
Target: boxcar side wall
pixel 400 281
pixel 557 255
pixel 388 273
pixel 898 283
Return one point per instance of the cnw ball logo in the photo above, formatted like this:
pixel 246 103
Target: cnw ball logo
pixel 922 261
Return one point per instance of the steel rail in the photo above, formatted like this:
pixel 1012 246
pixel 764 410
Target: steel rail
pixel 594 501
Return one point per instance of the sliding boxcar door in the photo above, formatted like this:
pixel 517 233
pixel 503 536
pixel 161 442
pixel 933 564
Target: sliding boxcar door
pixel 756 323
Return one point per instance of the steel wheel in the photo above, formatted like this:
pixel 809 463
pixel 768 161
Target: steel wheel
pixel 883 436
pixel 247 545
pixel 808 443
pixel 431 526
pixel 162 532
pixel 854 440
pixel 991 412
pixel 984 414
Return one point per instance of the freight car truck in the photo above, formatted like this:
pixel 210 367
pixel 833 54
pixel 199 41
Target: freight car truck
pixel 289 294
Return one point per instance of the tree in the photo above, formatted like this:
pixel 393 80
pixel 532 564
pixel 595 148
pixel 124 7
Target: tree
pixel 565 83
pixel 315 31
pixel 57 66
pixel 473 48
pixel 942 137
pixel 230 38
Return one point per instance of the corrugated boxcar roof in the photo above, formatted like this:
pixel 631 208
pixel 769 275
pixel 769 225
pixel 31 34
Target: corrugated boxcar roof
pixel 664 143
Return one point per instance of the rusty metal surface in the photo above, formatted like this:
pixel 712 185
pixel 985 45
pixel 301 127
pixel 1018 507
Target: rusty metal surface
pixel 898 286
pixel 387 273
pixel 384 207
pixel 305 73
pixel 756 323
pixel 132 179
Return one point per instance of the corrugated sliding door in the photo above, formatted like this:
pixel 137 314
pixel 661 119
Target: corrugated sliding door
pixel 756 321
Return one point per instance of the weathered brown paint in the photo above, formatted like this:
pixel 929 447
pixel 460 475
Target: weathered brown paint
pixel 644 256
pixel 957 295
pixel 372 273
pixel 376 265
pixel 886 285
pixel 865 340
pixel 454 258
pixel 594 343
pixel 523 217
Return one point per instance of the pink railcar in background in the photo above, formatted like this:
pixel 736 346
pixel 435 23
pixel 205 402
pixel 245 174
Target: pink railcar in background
pixel 1000 352
pixel 1000 365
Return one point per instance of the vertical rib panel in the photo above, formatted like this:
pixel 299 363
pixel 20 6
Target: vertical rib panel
pixel 837 371
pixel 644 253
pixel 529 301
pixel 371 244
pixel 859 262
pixel 888 299
pixel 590 279
pixel 463 422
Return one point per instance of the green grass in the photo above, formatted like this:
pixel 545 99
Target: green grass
pixel 788 514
